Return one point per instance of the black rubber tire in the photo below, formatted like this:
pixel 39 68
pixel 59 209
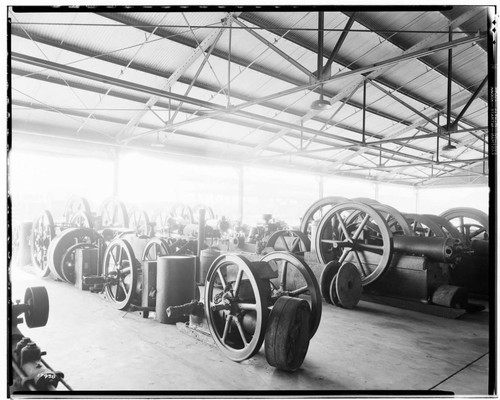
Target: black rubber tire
pixel 37 301
pixel 330 270
pixel 287 333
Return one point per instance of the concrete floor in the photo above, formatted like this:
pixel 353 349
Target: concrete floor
pixel 372 347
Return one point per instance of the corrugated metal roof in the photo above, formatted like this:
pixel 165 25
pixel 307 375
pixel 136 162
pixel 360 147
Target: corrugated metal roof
pixel 112 64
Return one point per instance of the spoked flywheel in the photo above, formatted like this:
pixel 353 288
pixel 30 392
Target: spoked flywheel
pixel 113 214
pixel 364 240
pixel 236 301
pixel 295 279
pixel 289 240
pixel 120 271
pixel 42 233
pixel 156 247
pixel 472 223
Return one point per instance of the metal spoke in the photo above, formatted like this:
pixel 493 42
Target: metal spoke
pixel 370 247
pixel 284 242
pixel 342 226
pixel 240 329
pixel 479 231
pixel 284 271
pixel 222 280
pixel 238 282
pixel 344 255
pixel 360 263
pixel 226 327
pixel 360 227
pixel 299 291
pixel 247 306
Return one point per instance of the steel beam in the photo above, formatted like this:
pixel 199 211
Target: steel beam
pixel 174 77
pixel 339 43
pixel 274 48
pixel 189 100
pixel 400 101
pixel 113 59
pixel 466 107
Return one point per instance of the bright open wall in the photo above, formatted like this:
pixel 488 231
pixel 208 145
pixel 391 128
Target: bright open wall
pixel 45 181
pixel 155 183
pixel 435 200
pixel 284 194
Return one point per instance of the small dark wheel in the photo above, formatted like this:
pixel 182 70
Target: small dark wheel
pixel 348 286
pixel 236 301
pixel 68 260
pixel 295 279
pixel 37 301
pixel 42 233
pixel 120 270
pixel 289 240
pixel 329 272
pixel 287 334
pixel 156 247
pixel 333 291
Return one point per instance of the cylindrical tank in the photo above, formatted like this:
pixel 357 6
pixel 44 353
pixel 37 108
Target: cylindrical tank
pixel 207 257
pixel 24 251
pixel 175 285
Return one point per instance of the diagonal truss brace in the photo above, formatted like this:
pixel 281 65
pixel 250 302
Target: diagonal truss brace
pixel 174 77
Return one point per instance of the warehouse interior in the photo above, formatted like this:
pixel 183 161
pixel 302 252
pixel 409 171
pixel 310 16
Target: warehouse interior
pixel 264 200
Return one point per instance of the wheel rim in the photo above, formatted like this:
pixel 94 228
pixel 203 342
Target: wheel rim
pixel 316 211
pixel 470 222
pixel 139 221
pixel 114 214
pixel 74 206
pixel 364 240
pixel 42 233
pixel 447 227
pixel 422 225
pixel 156 247
pixel 308 287
pixel 82 219
pixel 120 268
pixel 289 240
pixel 67 267
pixel 162 223
pixel 65 240
pixel 226 306
pixel 184 212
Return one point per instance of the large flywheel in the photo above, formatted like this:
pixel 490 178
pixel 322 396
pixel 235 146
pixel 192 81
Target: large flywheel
pixel 236 302
pixel 295 279
pixel 365 240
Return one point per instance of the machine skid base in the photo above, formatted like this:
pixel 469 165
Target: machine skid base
pixel 197 332
pixel 426 308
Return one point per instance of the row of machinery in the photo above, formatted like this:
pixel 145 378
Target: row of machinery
pixel 240 287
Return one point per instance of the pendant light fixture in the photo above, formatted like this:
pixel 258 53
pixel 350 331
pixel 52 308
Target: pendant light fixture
pixel 320 104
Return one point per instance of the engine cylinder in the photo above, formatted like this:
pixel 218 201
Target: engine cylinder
pixel 175 285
